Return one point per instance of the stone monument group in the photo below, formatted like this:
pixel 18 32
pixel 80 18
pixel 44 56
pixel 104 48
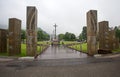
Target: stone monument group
pixel 100 38
pixel 97 33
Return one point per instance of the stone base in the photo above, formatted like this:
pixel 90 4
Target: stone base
pixel 104 51
pixel 55 42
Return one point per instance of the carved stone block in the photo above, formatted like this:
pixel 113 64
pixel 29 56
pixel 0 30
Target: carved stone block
pixel 91 32
pixel 31 31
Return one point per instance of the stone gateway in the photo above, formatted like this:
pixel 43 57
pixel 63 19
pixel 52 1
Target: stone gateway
pixel 91 32
pixel 14 36
pixel 31 31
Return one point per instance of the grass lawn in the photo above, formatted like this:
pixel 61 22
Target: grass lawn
pixel 68 42
pixel 23 49
pixel 116 50
pixel 84 48
pixel 77 47
pixel 44 42
pixel 3 54
pixel 40 48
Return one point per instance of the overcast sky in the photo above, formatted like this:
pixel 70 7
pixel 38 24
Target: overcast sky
pixel 69 15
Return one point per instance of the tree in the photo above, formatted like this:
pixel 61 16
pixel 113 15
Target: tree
pixel 61 36
pixel 80 37
pixel 117 32
pixel 73 37
pixel 66 37
pixel 23 35
pixel 83 35
pixel 42 35
pixel 46 36
pixel 69 36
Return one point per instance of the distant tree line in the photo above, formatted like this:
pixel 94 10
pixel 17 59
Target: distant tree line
pixel 83 34
pixel 23 35
pixel 67 36
pixel 41 35
pixel 117 32
pixel 71 37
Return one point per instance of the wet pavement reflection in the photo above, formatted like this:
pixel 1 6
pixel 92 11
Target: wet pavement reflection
pixel 59 52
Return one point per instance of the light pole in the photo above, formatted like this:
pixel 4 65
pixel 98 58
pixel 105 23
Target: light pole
pixel 55 30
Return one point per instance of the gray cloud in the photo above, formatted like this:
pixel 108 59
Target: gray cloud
pixel 69 15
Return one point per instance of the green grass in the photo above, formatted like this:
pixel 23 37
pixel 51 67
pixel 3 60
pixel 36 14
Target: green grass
pixel 116 50
pixel 68 42
pixel 23 50
pixel 84 48
pixel 77 47
pixel 39 48
pixel 44 42
pixel 3 54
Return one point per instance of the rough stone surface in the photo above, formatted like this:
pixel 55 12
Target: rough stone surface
pixel 91 32
pixel 114 42
pixel 14 36
pixel 3 40
pixel 107 39
pixel 31 31
pixel 104 35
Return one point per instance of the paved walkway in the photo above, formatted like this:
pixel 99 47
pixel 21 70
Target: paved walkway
pixel 55 66
pixel 59 52
pixel 79 67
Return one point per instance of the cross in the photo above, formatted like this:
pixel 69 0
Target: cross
pixel 55 30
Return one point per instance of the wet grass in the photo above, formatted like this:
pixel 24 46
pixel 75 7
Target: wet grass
pixel 23 49
pixel 44 42
pixel 77 47
pixel 84 48
pixel 40 48
pixel 3 54
pixel 116 50
pixel 68 42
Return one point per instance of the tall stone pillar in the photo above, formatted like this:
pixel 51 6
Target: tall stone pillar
pixel 31 30
pixel 117 43
pixel 114 41
pixel 14 36
pixel 3 40
pixel 91 32
pixel 104 35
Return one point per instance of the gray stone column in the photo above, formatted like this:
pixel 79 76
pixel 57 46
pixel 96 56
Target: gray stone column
pixel 3 40
pixel 104 35
pixel 113 41
pixel 91 32
pixel 14 36
pixel 31 30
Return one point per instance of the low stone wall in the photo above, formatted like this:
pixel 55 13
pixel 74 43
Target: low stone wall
pixel 104 51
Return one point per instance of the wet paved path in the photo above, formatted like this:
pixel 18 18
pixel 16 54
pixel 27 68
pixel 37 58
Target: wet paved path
pixel 59 52
pixel 71 66
pixel 80 67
